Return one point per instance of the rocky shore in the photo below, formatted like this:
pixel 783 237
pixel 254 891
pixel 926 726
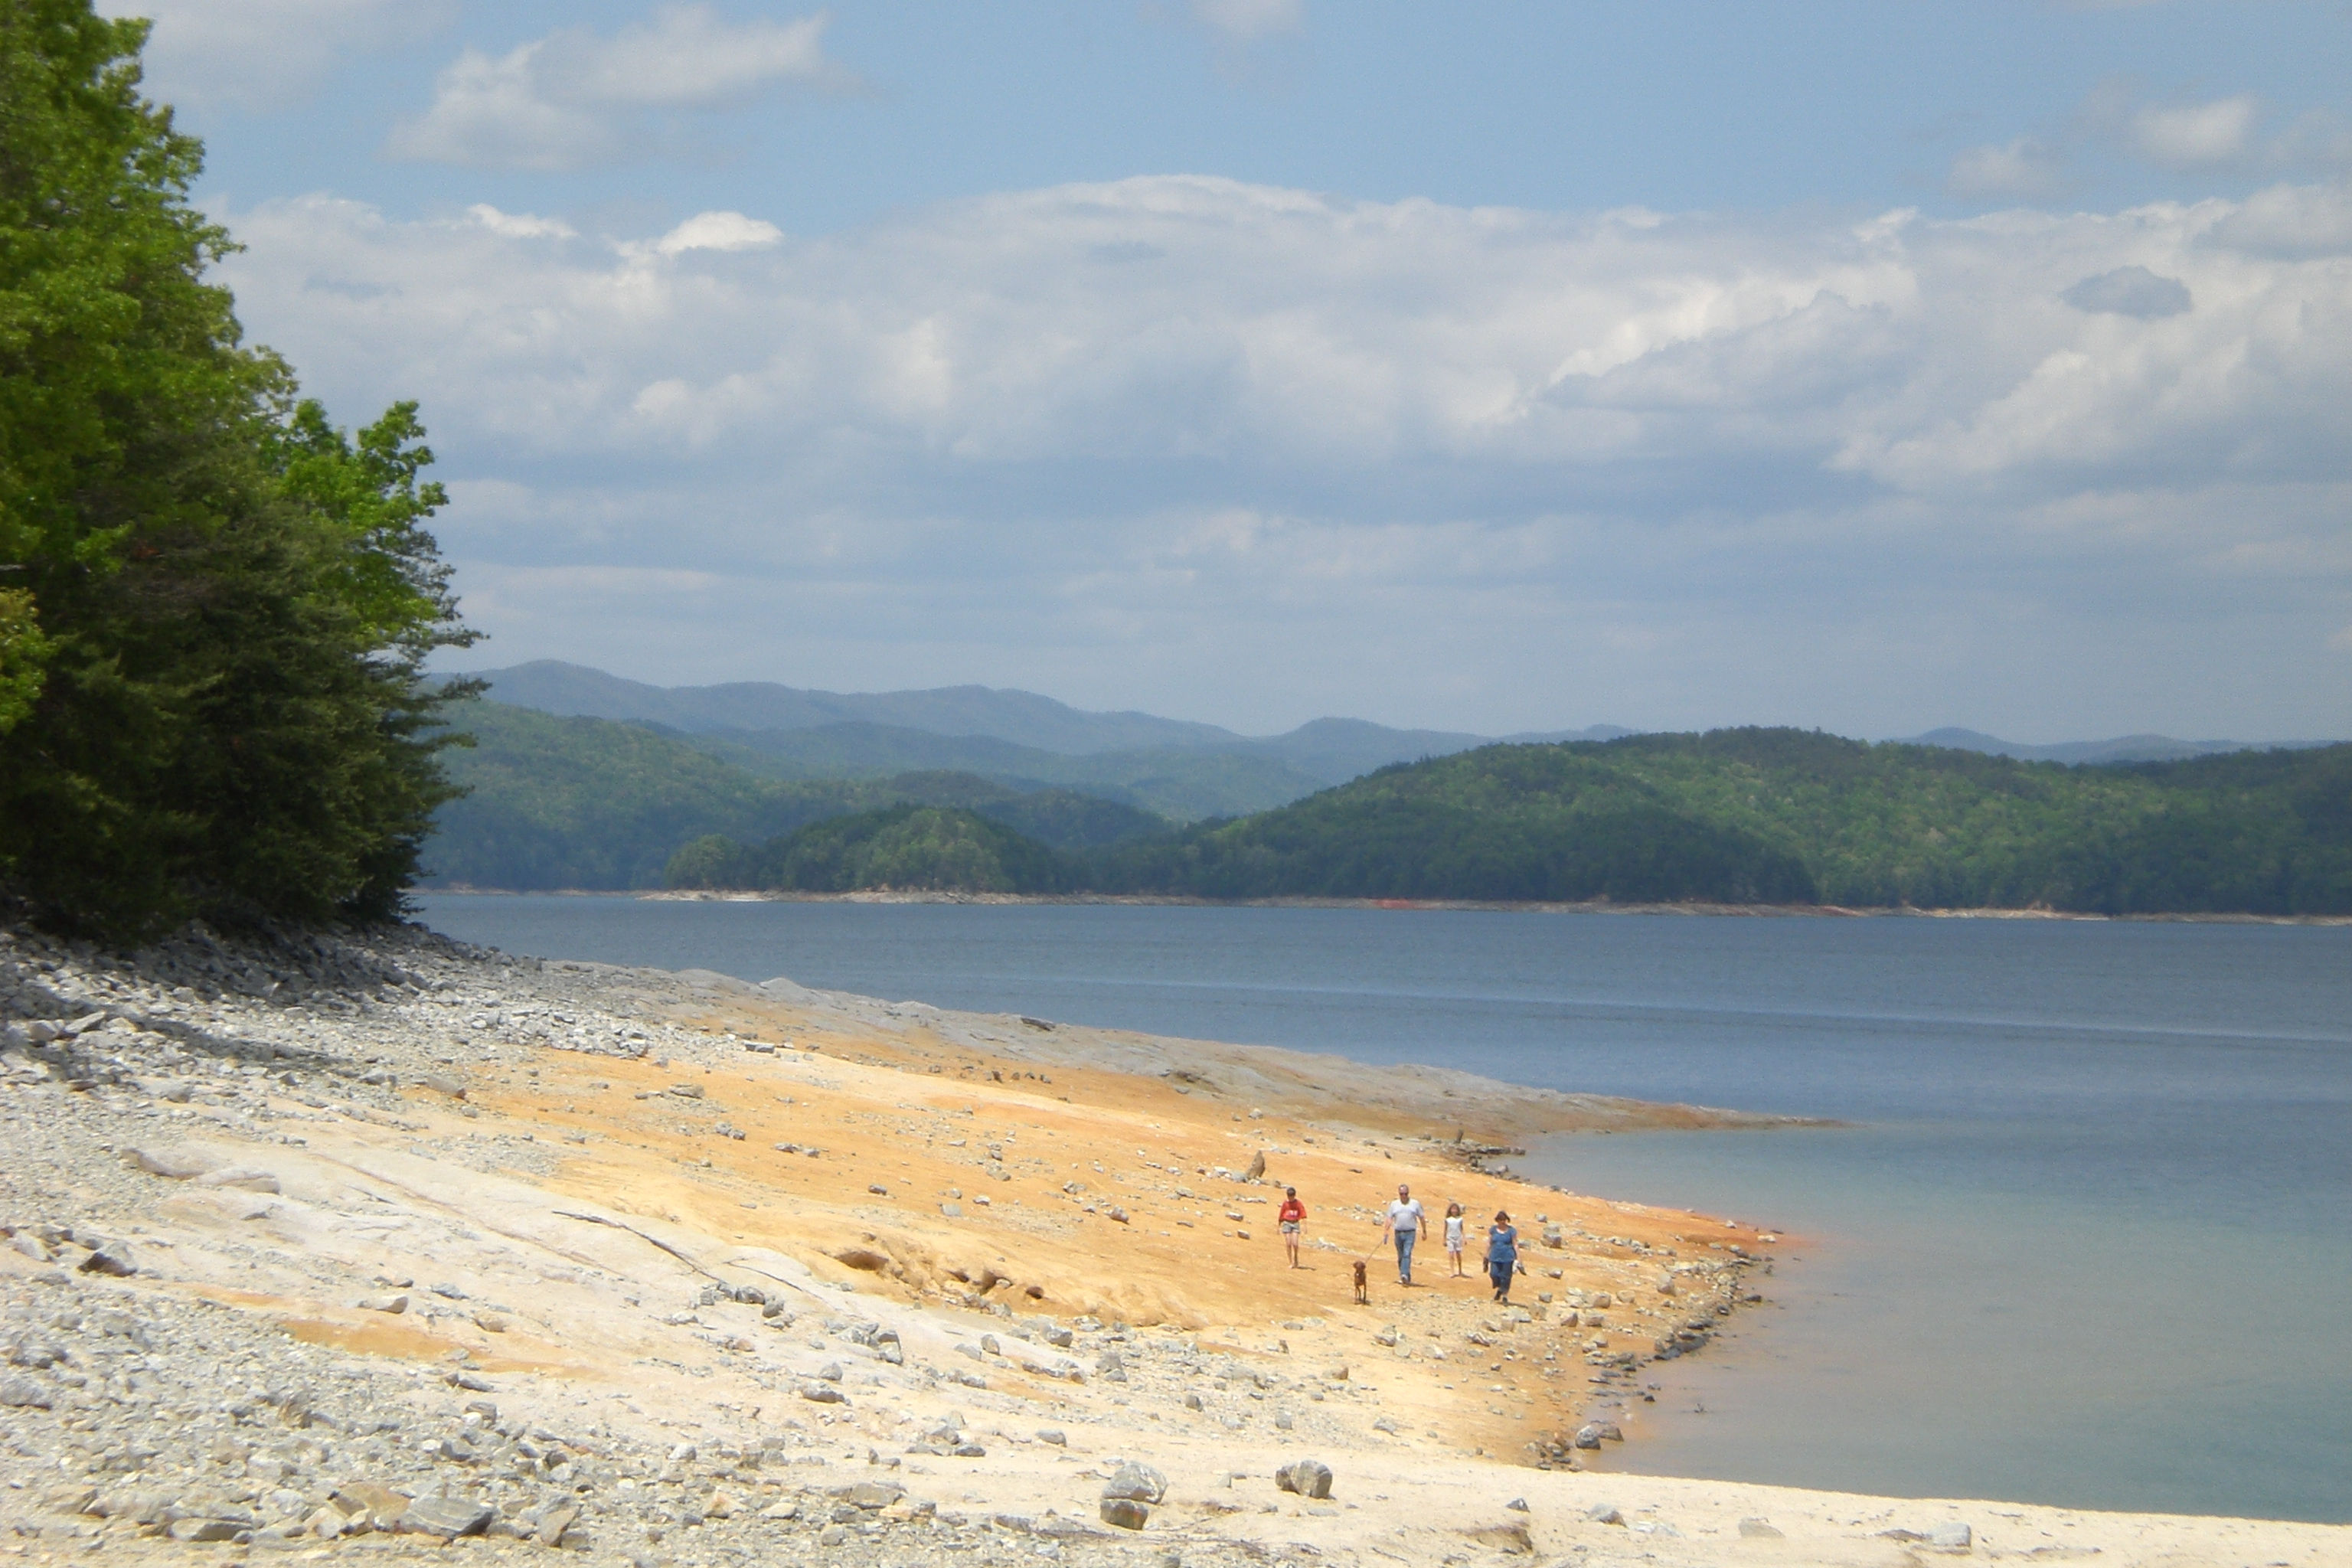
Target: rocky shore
pixel 368 1242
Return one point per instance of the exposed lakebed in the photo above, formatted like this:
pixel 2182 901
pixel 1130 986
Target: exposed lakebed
pixel 2039 1113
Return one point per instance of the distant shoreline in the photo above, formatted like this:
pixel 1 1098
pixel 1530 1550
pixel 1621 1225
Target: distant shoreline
pixel 1468 906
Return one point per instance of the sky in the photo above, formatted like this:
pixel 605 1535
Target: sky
pixel 1493 367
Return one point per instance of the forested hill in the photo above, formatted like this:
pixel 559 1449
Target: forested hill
pixel 588 803
pixel 1787 817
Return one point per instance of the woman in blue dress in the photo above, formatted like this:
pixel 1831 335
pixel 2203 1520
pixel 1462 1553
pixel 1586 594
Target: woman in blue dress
pixel 1502 1254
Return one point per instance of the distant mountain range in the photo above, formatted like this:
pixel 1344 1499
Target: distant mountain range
pixel 786 732
pixel 790 733
pixel 2123 748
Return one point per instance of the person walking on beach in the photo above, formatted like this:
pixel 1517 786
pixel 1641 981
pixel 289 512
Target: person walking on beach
pixel 1292 1215
pixel 1403 1221
pixel 1453 1237
pixel 1502 1254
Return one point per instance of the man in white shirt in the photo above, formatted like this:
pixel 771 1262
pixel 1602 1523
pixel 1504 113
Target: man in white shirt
pixel 1404 1222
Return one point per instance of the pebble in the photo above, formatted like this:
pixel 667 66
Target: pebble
pixel 23 1393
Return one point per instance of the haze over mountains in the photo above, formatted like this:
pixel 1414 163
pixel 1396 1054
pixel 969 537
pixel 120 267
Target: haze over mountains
pixel 794 732
pixel 2123 748
pixel 977 729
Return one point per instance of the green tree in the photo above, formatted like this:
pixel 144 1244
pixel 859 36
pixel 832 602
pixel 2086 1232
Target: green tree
pixel 904 846
pixel 220 605
pixel 23 651
pixel 713 860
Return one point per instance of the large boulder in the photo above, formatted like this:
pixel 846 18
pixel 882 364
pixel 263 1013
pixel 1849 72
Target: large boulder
pixel 1307 1478
pixel 1136 1483
pixel 447 1517
pixel 178 1163
pixel 110 1257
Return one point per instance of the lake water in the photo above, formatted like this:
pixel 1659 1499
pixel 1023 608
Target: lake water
pixel 2082 1241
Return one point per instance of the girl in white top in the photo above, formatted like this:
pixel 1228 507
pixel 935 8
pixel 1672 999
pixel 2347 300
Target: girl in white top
pixel 1454 1236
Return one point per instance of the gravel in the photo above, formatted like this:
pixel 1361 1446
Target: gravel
pixel 140 1415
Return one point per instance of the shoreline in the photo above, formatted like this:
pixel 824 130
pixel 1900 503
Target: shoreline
pixel 505 1204
pixel 1462 906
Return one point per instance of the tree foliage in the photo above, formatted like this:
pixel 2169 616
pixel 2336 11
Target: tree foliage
pixel 216 605
pixel 1733 816
pixel 905 846
pixel 1787 816
pixel 556 802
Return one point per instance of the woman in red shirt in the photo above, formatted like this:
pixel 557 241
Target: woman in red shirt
pixel 1293 1213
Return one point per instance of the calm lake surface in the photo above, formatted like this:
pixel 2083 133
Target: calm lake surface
pixel 2085 1238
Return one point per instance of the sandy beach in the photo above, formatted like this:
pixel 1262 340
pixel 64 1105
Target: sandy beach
pixel 778 1272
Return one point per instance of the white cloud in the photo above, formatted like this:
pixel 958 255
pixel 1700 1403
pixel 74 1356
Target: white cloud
pixel 572 99
pixel 1271 326
pixel 718 231
pixel 2025 167
pixel 263 54
pixel 519 226
pixel 2196 136
pixel 1248 19
pixel 1211 422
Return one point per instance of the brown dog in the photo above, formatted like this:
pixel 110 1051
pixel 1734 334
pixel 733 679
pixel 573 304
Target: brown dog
pixel 1363 1288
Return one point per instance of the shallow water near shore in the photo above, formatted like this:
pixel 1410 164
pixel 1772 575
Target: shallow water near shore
pixel 2083 1240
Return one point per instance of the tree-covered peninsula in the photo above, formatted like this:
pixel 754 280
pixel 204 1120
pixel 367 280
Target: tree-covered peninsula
pixel 1742 816
pixel 1791 817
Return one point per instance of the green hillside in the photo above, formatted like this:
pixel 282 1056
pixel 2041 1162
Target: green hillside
pixel 1781 815
pixel 1180 785
pixel 905 846
pixel 590 803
